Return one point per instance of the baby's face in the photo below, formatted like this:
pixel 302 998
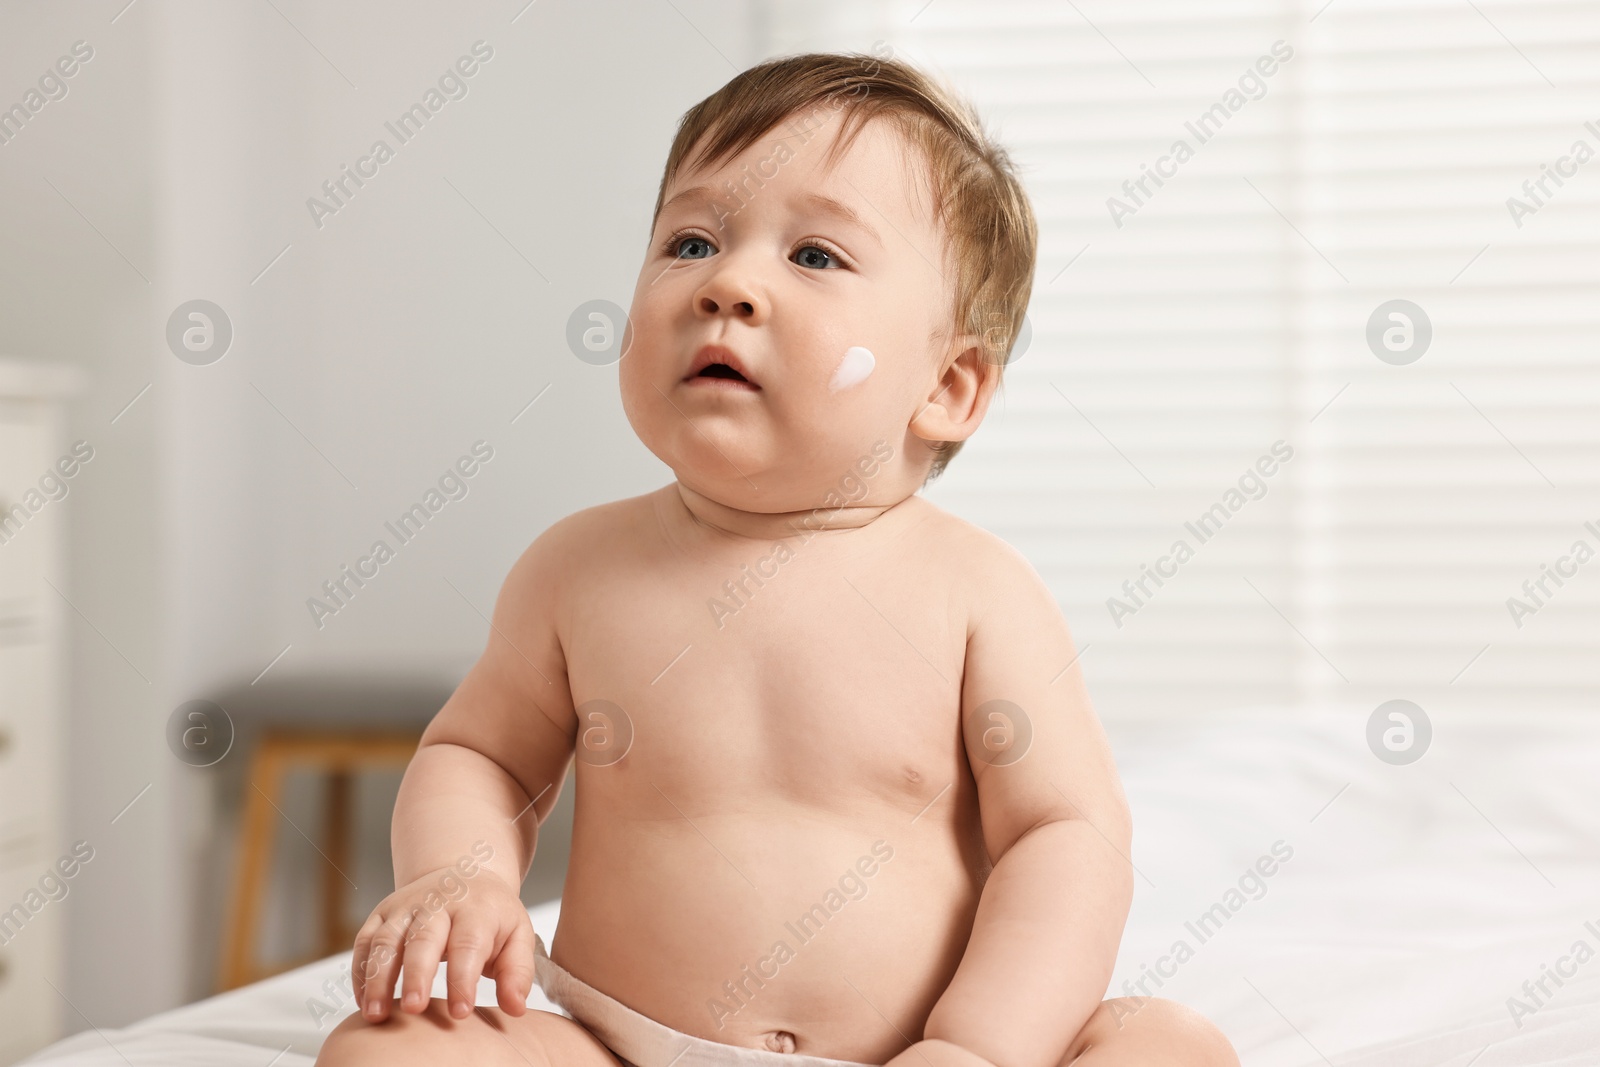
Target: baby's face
pixel 830 312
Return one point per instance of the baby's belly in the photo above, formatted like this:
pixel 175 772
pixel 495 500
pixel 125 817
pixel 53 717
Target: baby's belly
pixel 840 931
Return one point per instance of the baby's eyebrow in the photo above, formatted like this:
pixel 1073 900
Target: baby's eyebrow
pixel 827 205
pixel 699 194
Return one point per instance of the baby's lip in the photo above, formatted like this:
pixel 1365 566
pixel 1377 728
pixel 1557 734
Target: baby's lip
pixel 709 355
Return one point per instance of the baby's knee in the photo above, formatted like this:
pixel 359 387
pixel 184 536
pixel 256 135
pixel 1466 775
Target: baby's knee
pixel 1155 1030
pixel 428 1037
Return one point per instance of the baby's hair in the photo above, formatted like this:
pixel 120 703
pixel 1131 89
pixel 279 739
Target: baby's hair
pixel 977 198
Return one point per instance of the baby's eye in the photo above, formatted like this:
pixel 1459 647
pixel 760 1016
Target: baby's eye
pixel 676 243
pixel 812 254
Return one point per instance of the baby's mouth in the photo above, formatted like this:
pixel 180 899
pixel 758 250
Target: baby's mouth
pixel 718 367
pixel 720 378
pixel 721 370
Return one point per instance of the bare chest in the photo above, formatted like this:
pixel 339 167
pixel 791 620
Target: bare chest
pixel 795 674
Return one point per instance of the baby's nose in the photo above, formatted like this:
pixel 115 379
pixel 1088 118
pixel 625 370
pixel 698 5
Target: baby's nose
pixel 742 308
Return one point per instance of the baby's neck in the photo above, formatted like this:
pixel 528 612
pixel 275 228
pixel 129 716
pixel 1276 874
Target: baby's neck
pixel 769 526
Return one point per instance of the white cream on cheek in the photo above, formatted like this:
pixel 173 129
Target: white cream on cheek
pixel 853 369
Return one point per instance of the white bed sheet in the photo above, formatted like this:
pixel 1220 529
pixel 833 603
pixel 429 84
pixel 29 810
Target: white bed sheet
pixel 1415 904
pixel 1417 900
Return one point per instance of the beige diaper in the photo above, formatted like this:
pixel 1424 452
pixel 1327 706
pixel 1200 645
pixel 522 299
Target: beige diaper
pixel 640 1041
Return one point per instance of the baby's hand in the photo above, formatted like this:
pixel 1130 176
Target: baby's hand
pixel 477 925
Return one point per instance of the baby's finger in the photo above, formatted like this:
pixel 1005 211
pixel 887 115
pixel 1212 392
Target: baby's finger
pixel 359 953
pixel 472 938
pixel 513 970
pixel 382 966
pixel 423 949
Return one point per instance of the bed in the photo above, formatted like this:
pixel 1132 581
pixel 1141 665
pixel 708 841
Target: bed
pixel 1336 908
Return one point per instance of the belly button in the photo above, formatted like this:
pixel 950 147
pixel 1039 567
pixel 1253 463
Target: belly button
pixel 780 1041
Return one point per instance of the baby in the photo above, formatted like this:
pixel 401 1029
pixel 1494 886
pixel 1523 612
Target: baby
pixel 841 796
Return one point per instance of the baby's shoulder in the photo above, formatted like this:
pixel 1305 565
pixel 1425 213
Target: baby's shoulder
pixel 978 560
pixel 571 546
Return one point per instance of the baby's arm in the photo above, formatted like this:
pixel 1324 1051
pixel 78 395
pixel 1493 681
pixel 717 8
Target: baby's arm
pixel 1056 825
pixel 487 771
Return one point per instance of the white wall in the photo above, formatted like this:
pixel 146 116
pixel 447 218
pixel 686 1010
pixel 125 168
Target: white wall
pixel 390 339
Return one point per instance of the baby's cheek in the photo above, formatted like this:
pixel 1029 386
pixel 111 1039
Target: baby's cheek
pixel 854 367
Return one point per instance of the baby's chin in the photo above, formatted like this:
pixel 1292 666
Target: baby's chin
pixel 774 493
pixel 783 486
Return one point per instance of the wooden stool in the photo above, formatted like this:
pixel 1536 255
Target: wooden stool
pixel 339 756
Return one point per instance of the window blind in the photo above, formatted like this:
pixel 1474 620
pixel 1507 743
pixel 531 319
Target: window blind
pixel 1238 497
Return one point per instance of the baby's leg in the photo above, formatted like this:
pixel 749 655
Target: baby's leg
pixel 488 1037
pixel 1149 1032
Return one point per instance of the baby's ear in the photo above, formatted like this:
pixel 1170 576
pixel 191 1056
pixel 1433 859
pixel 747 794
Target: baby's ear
pixel 957 402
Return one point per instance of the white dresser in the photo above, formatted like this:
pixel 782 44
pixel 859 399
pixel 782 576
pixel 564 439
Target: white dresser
pixel 34 497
